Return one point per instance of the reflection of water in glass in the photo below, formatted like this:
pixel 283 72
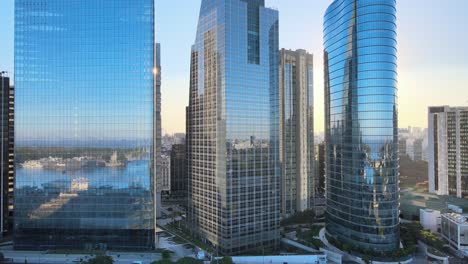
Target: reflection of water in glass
pixel 134 174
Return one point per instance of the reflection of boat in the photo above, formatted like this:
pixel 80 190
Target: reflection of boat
pixel 32 164
pixel 114 161
pixel 79 184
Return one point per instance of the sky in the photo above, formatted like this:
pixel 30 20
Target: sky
pixel 432 52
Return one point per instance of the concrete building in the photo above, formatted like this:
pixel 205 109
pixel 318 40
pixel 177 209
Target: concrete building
pixel 448 151
pixel 430 219
pixel 165 183
pixel 233 133
pixel 402 146
pixel 179 138
pixel 296 131
pixel 418 149
pixel 7 171
pixel 319 258
pixel 454 229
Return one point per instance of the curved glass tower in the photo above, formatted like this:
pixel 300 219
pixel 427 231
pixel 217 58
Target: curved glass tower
pixel 361 123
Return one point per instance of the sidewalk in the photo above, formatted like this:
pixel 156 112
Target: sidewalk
pixel 346 256
pixel 40 257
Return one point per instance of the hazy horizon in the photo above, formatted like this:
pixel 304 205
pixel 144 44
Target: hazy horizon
pixel 432 65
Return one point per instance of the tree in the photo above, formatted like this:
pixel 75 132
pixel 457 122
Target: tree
pixel 174 215
pixel 166 254
pixel 100 260
pixel 188 260
pixel 366 259
pixel 224 260
pixel 162 261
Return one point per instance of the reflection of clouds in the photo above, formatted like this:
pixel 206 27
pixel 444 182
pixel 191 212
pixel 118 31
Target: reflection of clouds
pixel 40 13
pixel 42 28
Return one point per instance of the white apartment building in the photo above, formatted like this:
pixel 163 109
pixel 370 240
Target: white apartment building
pixel 448 150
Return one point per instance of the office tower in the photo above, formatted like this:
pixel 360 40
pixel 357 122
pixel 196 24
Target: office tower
pixel 233 134
pixel 179 138
pixel 84 127
pixel 402 146
pixel 7 153
pixel 179 170
pixel 361 124
pixel 418 149
pixel 296 131
pixel 448 151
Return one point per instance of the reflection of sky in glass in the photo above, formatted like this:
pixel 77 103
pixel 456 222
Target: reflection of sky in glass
pixel 84 124
pixel 361 121
pixel 233 139
pixel 81 74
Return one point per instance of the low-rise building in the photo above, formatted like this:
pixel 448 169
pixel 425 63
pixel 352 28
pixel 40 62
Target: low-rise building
pixel 454 229
pixel 319 258
pixel 430 219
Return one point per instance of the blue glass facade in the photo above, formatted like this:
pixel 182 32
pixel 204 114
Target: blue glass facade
pixel 361 123
pixel 232 127
pixel 84 124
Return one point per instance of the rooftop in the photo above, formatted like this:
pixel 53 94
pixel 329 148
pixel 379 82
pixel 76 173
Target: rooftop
pixel 457 218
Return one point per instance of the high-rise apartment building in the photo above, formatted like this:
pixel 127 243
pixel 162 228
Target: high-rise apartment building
pixel 179 178
pixel 296 131
pixel 448 150
pixel 84 127
pixel 361 123
pixel 7 153
pixel 233 131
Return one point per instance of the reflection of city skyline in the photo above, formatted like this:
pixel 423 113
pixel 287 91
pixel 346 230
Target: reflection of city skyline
pixel 133 174
pixel 84 142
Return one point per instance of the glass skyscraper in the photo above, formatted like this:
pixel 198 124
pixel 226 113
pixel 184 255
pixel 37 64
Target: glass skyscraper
pixel 84 124
pixel 233 127
pixel 361 123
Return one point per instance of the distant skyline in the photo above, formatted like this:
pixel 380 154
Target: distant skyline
pixel 433 65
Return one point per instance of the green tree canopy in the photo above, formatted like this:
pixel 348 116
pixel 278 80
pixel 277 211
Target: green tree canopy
pixel 100 260
pixel 188 260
